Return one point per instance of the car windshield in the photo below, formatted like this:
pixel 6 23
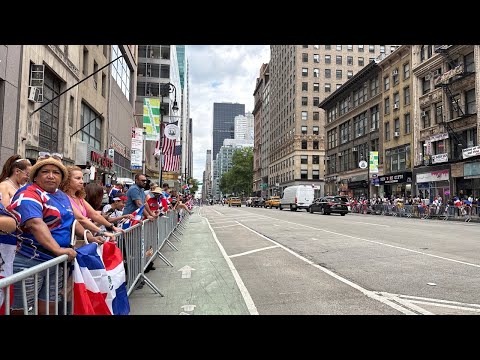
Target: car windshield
pixel 337 199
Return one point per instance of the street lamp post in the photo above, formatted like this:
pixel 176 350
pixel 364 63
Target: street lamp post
pixel 165 90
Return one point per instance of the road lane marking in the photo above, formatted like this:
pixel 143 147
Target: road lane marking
pixel 222 227
pixel 370 294
pixel 445 305
pixel 432 300
pixel 360 222
pixel 219 213
pixel 243 289
pixel 253 251
pixel 380 243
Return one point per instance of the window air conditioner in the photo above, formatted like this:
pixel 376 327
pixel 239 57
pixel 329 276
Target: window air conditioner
pixel 340 154
pixel 372 129
pixel 424 113
pixel 31 93
pixel 396 134
pixel 395 72
pixel 354 149
pixel 396 106
pixel 327 158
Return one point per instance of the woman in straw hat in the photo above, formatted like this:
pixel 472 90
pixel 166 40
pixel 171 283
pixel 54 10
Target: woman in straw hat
pixel 45 216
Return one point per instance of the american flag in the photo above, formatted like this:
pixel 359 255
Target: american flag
pixel 168 145
pixel 172 159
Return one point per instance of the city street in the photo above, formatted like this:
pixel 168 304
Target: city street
pixel 302 263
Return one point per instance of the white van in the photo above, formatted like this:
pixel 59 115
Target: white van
pixel 297 197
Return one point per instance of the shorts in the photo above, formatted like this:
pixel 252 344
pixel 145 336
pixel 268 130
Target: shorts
pixel 21 263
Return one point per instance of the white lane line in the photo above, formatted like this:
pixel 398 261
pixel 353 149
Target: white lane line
pixel 314 239
pixel 221 227
pixel 360 222
pixel 253 251
pixel 405 303
pixel 380 243
pixel 276 225
pixel 366 292
pixel 445 305
pixel 219 213
pixel 439 301
pixel 243 289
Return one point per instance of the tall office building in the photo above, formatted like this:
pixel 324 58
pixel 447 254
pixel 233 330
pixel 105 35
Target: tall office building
pixel 244 127
pixel 301 77
pixel 224 123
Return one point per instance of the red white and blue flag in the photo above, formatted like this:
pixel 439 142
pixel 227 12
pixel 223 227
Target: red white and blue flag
pixel 137 217
pixel 99 286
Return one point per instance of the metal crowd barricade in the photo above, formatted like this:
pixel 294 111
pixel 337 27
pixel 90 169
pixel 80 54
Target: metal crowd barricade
pixel 56 264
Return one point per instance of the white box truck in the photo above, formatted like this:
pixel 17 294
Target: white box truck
pixel 297 197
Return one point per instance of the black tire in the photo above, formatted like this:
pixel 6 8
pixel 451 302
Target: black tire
pixel 343 214
pixel 310 210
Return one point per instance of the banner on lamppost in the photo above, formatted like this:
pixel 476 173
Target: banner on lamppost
pixel 151 118
pixel 136 155
pixel 373 162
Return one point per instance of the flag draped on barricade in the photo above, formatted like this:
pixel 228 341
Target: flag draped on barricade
pixel 99 286
pixel 137 217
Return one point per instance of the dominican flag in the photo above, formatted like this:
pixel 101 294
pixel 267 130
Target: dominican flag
pixel 113 191
pixel 137 217
pixel 99 286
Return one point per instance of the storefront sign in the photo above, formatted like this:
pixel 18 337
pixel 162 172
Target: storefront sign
pixel 118 147
pixel 373 160
pixel 100 159
pixel 471 151
pixel 440 175
pixel 438 137
pixel 439 158
pixel 331 178
pixel 448 75
pixel 397 178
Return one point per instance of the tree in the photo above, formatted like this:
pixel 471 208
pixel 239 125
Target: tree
pixel 239 179
pixel 194 188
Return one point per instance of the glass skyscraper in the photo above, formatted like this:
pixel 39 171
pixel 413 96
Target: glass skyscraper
pixel 224 123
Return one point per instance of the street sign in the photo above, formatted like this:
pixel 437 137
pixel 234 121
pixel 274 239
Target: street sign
pixel 363 164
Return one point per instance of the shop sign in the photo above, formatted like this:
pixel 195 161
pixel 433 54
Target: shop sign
pixel 440 175
pixel 439 158
pixel 101 160
pixel 438 137
pixel 398 178
pixel 118 147
pixel 471 151
pixel 458 70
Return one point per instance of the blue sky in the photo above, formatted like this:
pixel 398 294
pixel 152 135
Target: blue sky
pixel 219 73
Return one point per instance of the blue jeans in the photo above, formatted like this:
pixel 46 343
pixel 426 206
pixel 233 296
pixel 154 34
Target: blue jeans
pixel 21 263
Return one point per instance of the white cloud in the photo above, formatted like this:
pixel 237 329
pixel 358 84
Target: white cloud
pixel 219 73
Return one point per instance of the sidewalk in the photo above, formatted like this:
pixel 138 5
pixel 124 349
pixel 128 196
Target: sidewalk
pixel 211 289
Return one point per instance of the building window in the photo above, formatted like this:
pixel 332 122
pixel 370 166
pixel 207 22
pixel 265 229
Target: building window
pixel 374 86
pixel 121 72
pixel 349 74
pixel 104 84
pixel 316 159
pixel 327 87
pixel 316 130
pixel 316 72
pixel 50 114
pixel 304 72
pixel 338 74
pixel 382 49
pixel 407 123
pixel 85 61
pixel 387 131
pixel 304 130
pixel 338 60
pixel 304 174
pixel 455 107
pixel 304 115
pixel 315 144
pixel 303 159
pixel 374 117
pixel 316 87
pixel 304 144
pixel 316 101
pixel 406 71
pixel 339 47
pixel 471 105
pixel 397 159
pixel 396 124
pixel 396 100
pixel 304 57
pixel 386 83
pixel 328 73
pixel 316 115
pixel 406 95
pixel 328 47
pixel 425 116
pixel 328 59
pixel 304 86
pixel 350 60
pixel 395 77
pixel 305 46
pixel 361 61
pixel 387 106
pixel 332 139
pixel 316 58
pixel 425 85
pixel 315 174
pixel 469 63
pixel 438 112
pixel 71 111
pixel 360 48
pixel 316 46
pixel 91 134
pixel 304 101
pixel 345 132
pixel 95 76
pixel 371 48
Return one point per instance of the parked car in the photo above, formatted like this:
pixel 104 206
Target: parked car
pixel 330 204
pixel 258 202
pixel 272 202
pixel 234 201
pixel 297 197
pixel 249 202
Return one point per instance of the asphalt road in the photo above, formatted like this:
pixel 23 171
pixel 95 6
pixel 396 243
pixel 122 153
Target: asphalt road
pixel 301 263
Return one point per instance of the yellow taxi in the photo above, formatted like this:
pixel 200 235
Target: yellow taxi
pixel 273 201
pixel 234 201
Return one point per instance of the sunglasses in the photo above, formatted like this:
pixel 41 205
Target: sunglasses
pixel 45 155
pixel 18 160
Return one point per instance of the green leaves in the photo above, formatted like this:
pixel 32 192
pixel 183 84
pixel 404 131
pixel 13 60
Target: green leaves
pixel 239 179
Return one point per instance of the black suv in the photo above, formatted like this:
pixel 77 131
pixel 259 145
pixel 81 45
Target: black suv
pixel 330 204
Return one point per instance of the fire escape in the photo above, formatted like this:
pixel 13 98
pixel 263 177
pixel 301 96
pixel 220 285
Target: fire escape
pixel 445 81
